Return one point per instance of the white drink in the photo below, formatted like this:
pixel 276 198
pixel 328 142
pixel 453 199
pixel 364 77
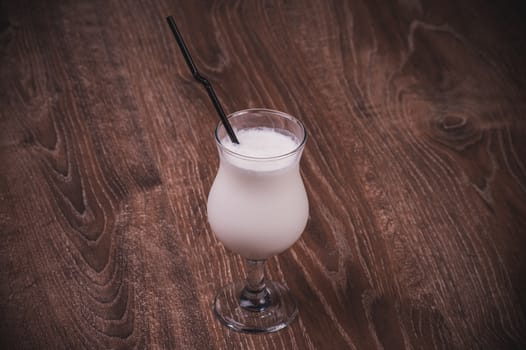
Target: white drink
pixel 257 205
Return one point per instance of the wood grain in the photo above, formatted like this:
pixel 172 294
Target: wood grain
pixel 415 170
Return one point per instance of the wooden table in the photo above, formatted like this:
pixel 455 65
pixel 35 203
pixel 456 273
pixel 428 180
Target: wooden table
pixel 415 168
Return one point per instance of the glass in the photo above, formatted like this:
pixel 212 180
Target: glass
pixel 258 207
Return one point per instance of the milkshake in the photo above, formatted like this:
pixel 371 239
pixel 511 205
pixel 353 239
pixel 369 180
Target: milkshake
pixel 257 206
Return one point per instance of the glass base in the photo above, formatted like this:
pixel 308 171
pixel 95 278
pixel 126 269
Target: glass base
pixel 279 311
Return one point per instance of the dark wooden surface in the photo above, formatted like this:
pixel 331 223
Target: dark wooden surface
pixel 415 169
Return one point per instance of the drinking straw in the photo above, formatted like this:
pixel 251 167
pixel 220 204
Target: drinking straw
pixel 202 79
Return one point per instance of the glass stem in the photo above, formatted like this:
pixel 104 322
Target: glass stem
pixel 255 296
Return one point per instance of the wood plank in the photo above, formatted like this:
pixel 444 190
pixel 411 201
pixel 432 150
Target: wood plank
pixel 414 168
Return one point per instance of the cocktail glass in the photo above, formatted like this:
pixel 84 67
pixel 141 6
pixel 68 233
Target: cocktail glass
pixel 258 207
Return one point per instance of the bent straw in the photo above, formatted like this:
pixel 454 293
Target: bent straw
pixel 202 79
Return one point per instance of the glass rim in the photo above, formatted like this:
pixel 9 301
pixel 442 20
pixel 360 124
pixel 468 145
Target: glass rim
pixel 267 111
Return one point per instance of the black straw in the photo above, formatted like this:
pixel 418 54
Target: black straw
pixel 202 79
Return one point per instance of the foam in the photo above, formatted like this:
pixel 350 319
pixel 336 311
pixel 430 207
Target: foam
pixel 261 143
